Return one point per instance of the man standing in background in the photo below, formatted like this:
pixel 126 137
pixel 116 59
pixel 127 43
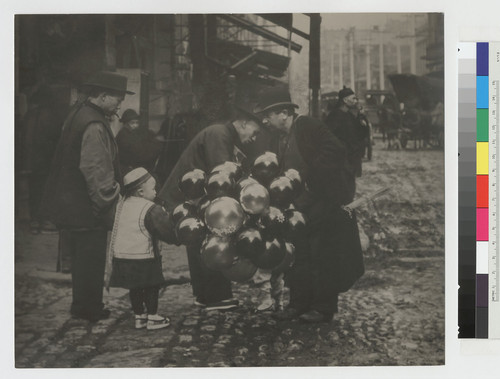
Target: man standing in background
pixel 83 187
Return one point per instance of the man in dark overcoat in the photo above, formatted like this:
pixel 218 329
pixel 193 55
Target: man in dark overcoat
pixel 344 123
pixel 329 259
pixel 83 187
pixel 212 146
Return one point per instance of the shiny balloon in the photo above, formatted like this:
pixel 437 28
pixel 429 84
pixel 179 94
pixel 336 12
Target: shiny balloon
pixel 219 184
pixel 294 176
pixel 272 222
pixel 183 210
pixel 241 271
pixel 233 169
pixel 265 168
pixel 254 198
pixel 224 216
pixel 281 192
pixel 192 184
pixel 274 252
pixel 248 243
pixel 190 230
pixel 287 261
pixel 242 183
pixel 295 224
pixel 217 252
pixel 202 206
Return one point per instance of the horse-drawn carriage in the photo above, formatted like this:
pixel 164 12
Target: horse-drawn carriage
pixel 422 109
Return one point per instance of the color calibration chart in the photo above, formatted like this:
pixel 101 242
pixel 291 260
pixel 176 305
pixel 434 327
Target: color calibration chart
pixel 478 197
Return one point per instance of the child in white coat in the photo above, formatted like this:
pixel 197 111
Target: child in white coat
pixel 136 260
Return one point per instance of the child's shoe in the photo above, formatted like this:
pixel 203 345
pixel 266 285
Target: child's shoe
pixel 157 322
pixel 141 321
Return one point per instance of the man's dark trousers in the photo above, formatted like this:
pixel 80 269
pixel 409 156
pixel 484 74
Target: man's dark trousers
pixel 88 256
pixel 208 286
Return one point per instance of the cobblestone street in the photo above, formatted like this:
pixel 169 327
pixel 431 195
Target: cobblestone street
pixel 394 315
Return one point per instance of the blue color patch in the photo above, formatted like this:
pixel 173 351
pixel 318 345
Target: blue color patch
pixel 482 92
pixel 482 59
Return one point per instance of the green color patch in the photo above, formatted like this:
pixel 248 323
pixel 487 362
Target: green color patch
pixel 482 125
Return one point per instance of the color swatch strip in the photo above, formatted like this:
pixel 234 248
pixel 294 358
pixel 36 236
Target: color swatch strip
pixel 479 180
pixel 467 194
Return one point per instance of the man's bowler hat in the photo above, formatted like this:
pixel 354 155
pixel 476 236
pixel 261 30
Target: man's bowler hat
pixel 244 104
pixel 109 80
pixel 273 98
pixel 344 92
pixel 129 115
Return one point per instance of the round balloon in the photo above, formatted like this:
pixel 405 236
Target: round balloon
pixel 192 184
pixel 265 168
pixel 288 259
pixel 274 252
pixel 232 168
pixel 254 198
pixel 217 252
pixel 281 192
pixel 272 222
pixel 219 184
pixel 296 179
pixel 242 183
pixel 241 271
pixel 183 210
pixel 295 225
pixel 224 216
pixel 190 230
pixel 202 206
pixel 248 243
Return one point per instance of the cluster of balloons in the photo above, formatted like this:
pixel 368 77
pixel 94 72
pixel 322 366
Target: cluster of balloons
pixel 243 222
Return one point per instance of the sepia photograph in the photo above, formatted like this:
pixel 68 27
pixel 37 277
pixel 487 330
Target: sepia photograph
pixel 229 190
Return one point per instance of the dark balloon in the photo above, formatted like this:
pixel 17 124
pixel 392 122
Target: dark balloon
pixel 296 179
pixel 265 168
pixel 254 198
pixel 190 230
pixel 272 222
pixel 219 184
pixel 281 192
pixel 295 225
pixel 224 216
pixel 233 169
pixel 242 183
pixel 202 206
pixel 274 252
pixel 183 210
pixel 251 221
pixel 217 252
pixel 192 184
pixel 287 261
pixel 241 271
pixel 248 243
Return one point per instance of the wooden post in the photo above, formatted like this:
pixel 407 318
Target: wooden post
pixel 381 61
pixel 368 66
pixel 341 64
pixel 314 63
pixel 109 43
pixel 398 57
pixel 351 59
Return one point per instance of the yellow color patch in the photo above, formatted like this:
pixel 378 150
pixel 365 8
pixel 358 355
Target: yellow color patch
pixel 482 158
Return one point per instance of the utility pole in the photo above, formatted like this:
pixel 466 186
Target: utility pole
pixel 381 60
pixel 413 46
pixel 341 63
pixel 332 67
pixel 398 56
pixel 314 63
pixel 351 58
pixel 368 64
